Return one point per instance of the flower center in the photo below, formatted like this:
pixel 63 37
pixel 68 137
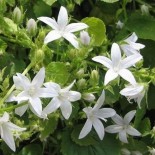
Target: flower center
pixel 31 91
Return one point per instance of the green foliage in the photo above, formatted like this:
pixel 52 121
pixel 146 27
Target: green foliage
pixel 48 126
pixel 49 2
pixel 96 29
pixel 31 149
pixel 142 25
pixel 110 1
pixel 42 9
pixel 68 147
pixel 57 72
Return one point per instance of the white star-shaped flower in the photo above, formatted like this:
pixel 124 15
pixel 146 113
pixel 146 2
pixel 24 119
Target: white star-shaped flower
pixel 61 28
pixel 129 45
pixel 135 92
pixel 63 99
pixel 119 25
pixel 6 130
pixel 122 126
pixel 31 92
pixel 117 65
pixel 93 118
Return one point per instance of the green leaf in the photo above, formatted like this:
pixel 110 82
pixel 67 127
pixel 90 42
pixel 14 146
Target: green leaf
pixel 31 149
pixel 57 72
pixel 11 2
pixel 108 146
pixel 143 26
pixel 110 1
pixel 139 114
pixel 136 145
pixel 96 29
pixel 145 126
pixel 112 94
pixel 49 126
pixel 49 2
pixel 42 9
pixel 86 141
pixel 151 104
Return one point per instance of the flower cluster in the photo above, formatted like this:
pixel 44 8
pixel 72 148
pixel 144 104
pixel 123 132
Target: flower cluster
pixel 29 94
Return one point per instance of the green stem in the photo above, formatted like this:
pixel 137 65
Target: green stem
pixel 13 86
pixel 12 107
pixel 124 9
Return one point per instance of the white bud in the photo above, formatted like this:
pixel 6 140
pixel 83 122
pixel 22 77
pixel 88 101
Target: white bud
pixel 144 9
pixel 125 151
pixel 119 25
pixel 88 97
pixel 152 151
pixel 84 37
pixel 17 15
pixel 31 26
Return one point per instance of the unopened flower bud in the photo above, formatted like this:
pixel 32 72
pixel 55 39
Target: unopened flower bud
pixel 125 151
pixel 152 151
pixel 144 9
pixel 39 55
pixel 84 37
pixel 81 83
pixel 94 77
pixel 119 25
pixel 17 15
pixel 88 97
pixel 80 73
pixel 31 27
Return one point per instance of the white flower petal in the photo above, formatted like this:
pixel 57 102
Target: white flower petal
pixel 137 46
pixel 103 60
pixel 115 54
pixel 51 36
pixel 66 89
pixel 129 116
pixel 117 119
pixel 132 38
pixel 73 96
pixel 86 129
pixel 35 106
pixel 11 98
pixel 132 90
pixel 23 96
pixel 51 22
pixel 39 78
pixel 114 129
pixel 21 82
pixel 7 136
pixel 139 99
pixel 132 131
pixel 128 50
pixel 52 85
pixel 46 93
pixel 21 110
pixel 109 76
pixel 75 27
pixel 127 75
pixel 105 113
pixel 5 117
pixel 52 106
pixel 72 39
pixel 62 17
pixel 99 128
pixel 122 136
pixel 66 109
pixel 14 127
pixel 130 60
pixel 100 101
